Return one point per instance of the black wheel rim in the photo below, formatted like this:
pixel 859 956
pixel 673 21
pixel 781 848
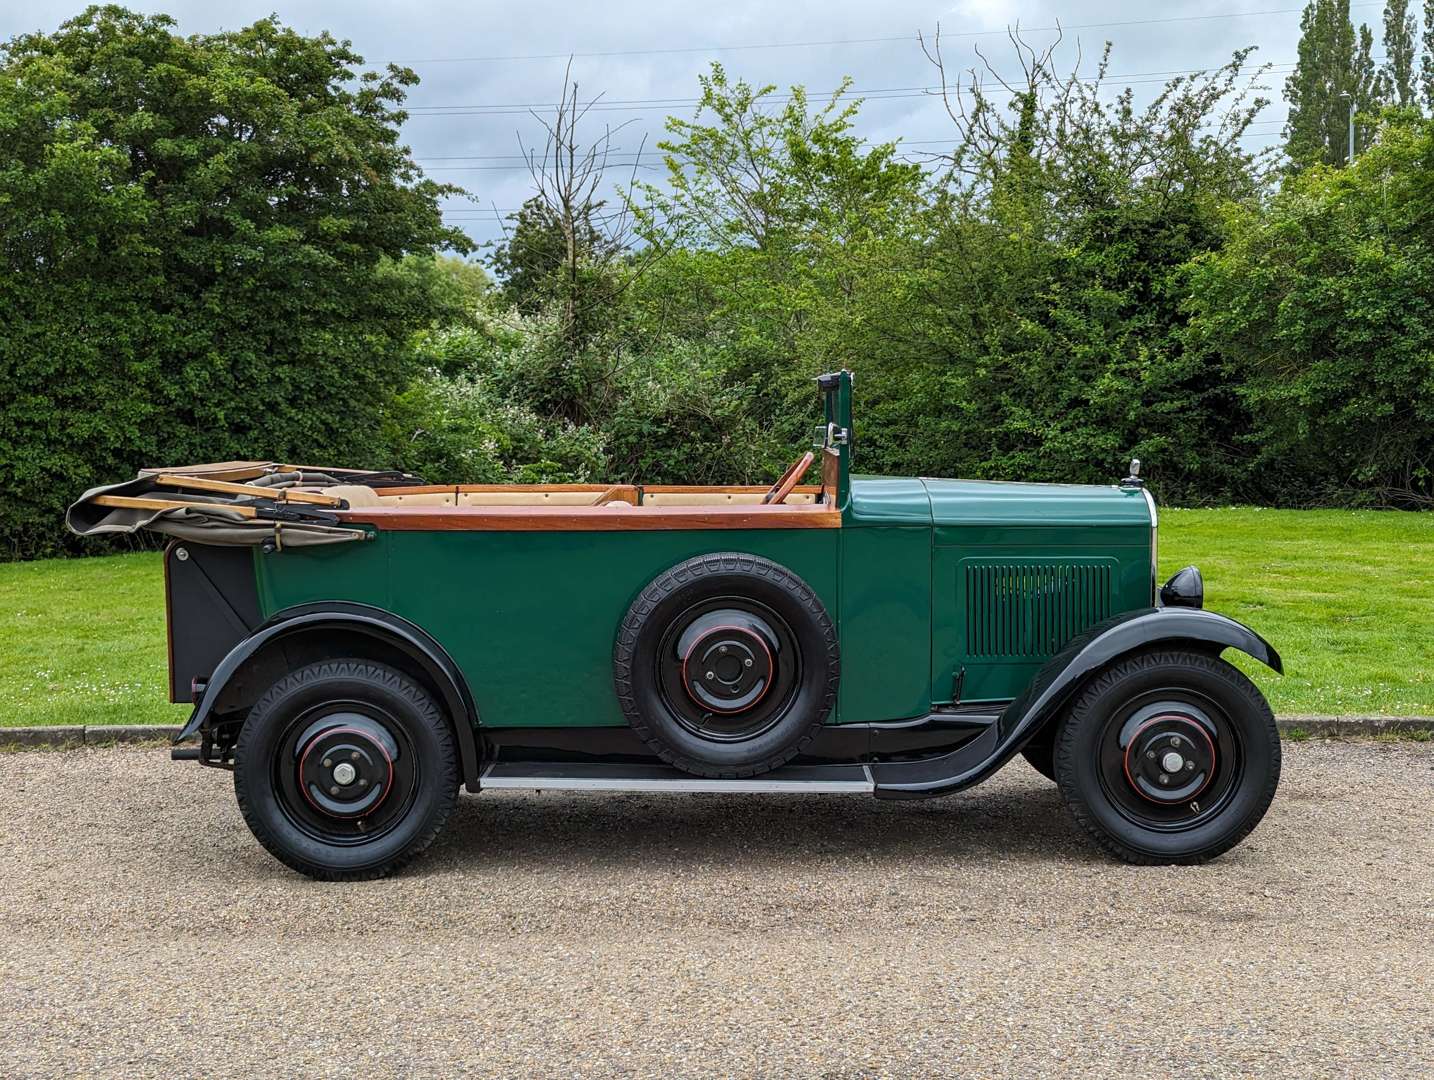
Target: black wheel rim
pixel 1170 759
pixel 345 772
pixel 728 668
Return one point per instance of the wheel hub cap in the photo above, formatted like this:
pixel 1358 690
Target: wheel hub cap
pixel 1170 759
pixel 345 772
pixel 727 669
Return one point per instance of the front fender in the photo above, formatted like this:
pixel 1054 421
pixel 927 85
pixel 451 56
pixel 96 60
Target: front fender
pixel 1064 673
pixel 1057 682
pixel 371 622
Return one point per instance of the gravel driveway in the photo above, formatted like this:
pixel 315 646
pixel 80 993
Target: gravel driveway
pixel 142 931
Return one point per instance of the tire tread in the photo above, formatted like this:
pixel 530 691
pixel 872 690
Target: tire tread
pixel 428 713
pixel 1080 713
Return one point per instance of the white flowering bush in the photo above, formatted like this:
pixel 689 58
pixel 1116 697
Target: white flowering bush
pixel 457 429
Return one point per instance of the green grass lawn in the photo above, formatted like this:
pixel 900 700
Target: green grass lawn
pixel 82 642
pixel 1346 597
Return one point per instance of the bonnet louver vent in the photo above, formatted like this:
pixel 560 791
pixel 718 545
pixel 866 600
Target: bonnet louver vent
pixel 1025 609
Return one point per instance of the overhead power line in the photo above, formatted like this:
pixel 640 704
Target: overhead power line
pixel 688 49
pixel 523 168
pixel 873 94
pixel 521 160
pixel 1267 129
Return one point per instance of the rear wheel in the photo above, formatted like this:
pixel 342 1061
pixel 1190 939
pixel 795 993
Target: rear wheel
pixel 345 769
pixel 1168 757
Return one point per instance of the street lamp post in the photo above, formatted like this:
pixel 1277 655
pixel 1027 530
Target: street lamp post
pixel 1347 96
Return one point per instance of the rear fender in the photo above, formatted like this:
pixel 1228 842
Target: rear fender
pixel 382 630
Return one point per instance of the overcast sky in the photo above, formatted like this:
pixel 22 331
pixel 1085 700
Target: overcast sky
pixel 484 56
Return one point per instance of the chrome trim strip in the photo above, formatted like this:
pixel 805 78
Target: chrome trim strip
pixel 695 784
pixel 1154 547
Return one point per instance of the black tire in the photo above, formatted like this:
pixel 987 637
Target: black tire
pixel 387 741
pixel 751 718
pixel 1115 758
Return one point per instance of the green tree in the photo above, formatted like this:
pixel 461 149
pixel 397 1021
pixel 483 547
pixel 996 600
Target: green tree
pixel 463 283
pixel 202 242
pixel 1369 91
pixel 764 174
pixel 1321 309
pixel 457 286
pixel 1401 47
pixel 1335 67
pixel 1426 61
pixel 531 256
pixel 783 230
pixel 529 260
pixel 570 256
pixel 561 273
pixel 1043 330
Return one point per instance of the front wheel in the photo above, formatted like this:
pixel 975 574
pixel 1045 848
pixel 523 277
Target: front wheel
pixel 1168 757
pixel 345 770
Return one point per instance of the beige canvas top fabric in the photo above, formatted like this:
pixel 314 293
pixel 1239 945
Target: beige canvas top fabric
pixel 205 522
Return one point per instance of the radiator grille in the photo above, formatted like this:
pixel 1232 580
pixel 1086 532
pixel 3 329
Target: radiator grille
pixel 1031 609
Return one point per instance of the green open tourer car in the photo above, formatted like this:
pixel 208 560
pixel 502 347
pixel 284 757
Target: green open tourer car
pixel 358 645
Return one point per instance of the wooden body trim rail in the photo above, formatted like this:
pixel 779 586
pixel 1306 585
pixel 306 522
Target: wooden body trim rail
pixel 722 489
pixel 460 489
pixel 610 517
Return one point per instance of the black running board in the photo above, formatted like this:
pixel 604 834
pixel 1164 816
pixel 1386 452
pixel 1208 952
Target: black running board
pixel 943 774
pixel 918 778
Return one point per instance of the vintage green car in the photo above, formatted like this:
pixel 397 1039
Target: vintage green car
pixel 357 645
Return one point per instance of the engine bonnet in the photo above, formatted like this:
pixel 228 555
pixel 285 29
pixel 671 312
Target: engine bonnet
pixel 990 502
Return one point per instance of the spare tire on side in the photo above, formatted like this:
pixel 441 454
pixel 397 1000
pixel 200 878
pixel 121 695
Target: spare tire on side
pixel 726 665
